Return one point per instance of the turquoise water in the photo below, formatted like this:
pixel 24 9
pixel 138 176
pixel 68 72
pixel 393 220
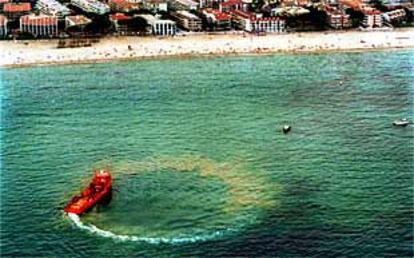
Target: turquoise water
pixel 200 164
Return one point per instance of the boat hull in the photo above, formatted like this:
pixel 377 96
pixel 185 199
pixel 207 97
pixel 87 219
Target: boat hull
pixel 402 124
pixel 98 191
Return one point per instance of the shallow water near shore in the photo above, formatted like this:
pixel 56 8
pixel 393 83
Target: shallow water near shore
pixel 201 167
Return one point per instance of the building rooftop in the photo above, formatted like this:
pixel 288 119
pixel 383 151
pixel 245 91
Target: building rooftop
pixel 370 11
pixel 333 10
pixel 119 17
pixel 152 19
pixel 95 3
pixel 351 3
pixel 243 14
pixel 53 4
pixel 78 20
pixel 117 1
pixel 123 5
pixel 156 1
pixel 187 2
pixel 220 16
pixel 148 17
pixel 231 3
pixel 254 16
pixel 188 15
pixel 39 20
pixel 17 7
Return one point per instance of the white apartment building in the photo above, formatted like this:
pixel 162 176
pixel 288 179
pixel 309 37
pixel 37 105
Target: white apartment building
pixel 156 5
pixel 160 27
pixel 251 22
pixel 91 6
pixel 184 4
pixel 52 7
pixel 39 25
pixel 372 19
pixel 188 20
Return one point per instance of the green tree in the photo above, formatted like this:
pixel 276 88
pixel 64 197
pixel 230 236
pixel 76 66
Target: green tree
pixel 25 35
pixel 257 4
pixel 379 4
pixel 99 24
pixel 136 24
pixel 356 17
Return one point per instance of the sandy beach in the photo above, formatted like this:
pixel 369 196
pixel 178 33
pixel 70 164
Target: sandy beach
pixel 44 52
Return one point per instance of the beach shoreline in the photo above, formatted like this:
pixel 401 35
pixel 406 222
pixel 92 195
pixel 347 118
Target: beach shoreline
pixel 124 48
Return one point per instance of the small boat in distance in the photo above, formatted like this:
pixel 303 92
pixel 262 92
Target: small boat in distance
pixel 286 129
pixel 99 190
pixel 401 122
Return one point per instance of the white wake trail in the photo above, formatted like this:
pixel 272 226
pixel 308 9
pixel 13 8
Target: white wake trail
pixel 152 240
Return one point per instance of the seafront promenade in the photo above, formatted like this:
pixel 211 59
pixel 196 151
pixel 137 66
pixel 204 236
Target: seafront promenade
pixel 45 52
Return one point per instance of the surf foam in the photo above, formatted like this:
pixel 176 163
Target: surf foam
pixel 151 240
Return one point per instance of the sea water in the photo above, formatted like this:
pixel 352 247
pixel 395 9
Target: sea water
pixel 201 166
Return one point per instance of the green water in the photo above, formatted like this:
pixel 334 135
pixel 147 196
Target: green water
pixel 200 163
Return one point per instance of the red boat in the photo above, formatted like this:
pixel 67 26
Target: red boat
pixel 99 190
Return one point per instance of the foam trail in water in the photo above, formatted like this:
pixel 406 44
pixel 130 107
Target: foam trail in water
pixel 152 240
